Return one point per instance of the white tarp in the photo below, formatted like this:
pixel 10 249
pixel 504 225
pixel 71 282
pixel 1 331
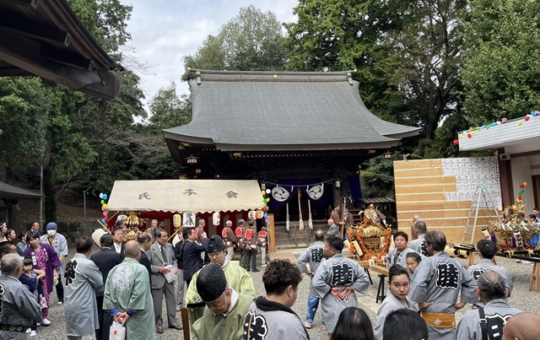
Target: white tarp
pixel 193 195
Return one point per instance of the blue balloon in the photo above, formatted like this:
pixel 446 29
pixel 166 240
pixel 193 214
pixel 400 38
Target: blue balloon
pixel 104 196
pixel 103 221
pixel 493 124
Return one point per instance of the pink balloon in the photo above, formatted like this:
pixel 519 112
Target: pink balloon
pixel 105 213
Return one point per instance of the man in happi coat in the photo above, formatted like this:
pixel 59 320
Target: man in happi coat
pixel 398 255
pixel 333 229
pixel 418 244
pixel 486 251
pixel 437 284
pixel 236 276
pixel 492 291
pixel 335 281
pixel 229 238
pixel 18 307
pixel 83 280
pixel 308 262
pixel 223 317
pixel 127 295
pixel 270 317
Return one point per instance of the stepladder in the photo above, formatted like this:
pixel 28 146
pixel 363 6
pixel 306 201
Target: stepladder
pixel 482 200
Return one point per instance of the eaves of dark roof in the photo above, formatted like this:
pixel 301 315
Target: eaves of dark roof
pixel 271 111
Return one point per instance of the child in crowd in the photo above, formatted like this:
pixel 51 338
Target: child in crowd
pixel 31 278
pixel 413 260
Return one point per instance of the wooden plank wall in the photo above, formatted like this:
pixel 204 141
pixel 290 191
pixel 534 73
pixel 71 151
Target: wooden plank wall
pixel 420 190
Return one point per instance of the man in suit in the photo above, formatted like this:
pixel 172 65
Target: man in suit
pixel 145 240
pixel 118 240
pixel 161 255
pixel 105 259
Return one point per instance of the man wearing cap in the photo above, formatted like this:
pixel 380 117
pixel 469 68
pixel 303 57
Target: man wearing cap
pixel 19 308
pixel 59 243
pixel 236 276
pixel 225 308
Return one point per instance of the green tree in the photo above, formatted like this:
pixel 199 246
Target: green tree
pixel 502 67
pixel 168 110
pixel 24 105
pixel 424 61
pixel 341 35
pixel 253 40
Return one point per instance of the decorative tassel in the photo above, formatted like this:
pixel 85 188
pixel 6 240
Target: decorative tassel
pixel 300 220
pixel 287 223
pixel 310 221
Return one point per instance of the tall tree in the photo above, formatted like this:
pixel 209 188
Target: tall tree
pixel 168 110
pixel 424 61
pixel 502 67
pixel 253 40
pixel 340 35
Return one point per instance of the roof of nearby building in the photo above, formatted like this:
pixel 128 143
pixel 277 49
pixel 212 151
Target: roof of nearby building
pixel 377 200
pixel 515 136
pixel 269 111
pixel 46 39
pixel 10 192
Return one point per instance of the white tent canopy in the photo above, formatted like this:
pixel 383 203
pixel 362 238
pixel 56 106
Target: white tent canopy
pixel 194 195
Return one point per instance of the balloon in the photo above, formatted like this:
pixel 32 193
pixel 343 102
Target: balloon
pixel 268 191
pixel 105 213
pixel 101 195
pixel 102 202
pixel 264 208
pixel 263 192
pixel 106 219
pixel 105 196
pixel 522 185
pixel 520 123
pixel 493 124
pixel 469 135
pixel 520 198
pixel 527 118
pixel 268 223
pixel 103 220
pixel 504 120
pixel 105 206
pixel 456 142
pixel 268 200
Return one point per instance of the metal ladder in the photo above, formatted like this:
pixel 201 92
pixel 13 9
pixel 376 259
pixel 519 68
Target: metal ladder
pixel 481 192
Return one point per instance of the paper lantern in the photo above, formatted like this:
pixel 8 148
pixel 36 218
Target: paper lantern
pixel 216 219
pixel 252 215
pixel 177 220
pixel 260 214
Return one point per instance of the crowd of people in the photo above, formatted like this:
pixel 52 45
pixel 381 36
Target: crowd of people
pixel 124 284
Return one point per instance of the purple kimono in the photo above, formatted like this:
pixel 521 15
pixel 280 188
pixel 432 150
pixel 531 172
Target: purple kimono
pixel 52 262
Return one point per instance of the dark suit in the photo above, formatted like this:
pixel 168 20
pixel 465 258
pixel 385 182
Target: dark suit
pixel 145 261
pixel 122 248
pixel 160 286
pixel 105 260
pixel 192 258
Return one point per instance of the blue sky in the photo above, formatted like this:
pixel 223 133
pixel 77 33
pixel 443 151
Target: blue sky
pixel 165 31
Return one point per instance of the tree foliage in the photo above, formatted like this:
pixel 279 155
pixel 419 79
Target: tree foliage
pixel 168 110
pixel 502 67
pixel 253 40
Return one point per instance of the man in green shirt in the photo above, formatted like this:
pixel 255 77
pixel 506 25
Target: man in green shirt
pixel 223 316
pixel 236 276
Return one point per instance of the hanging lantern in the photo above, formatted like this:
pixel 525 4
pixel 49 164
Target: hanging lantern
pixel 216 219
pixel 177 220
pixel 260 214
pixel 252 215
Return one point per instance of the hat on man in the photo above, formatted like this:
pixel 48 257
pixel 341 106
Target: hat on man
pixel 215 243
pixel 211 282
pixel 52 225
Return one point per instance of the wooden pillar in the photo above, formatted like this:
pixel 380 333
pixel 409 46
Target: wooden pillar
pixel 505 175
pixel 271 234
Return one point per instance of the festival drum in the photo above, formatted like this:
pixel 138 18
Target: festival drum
pixel 96 235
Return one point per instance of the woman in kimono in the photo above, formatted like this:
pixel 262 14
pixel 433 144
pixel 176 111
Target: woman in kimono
pixel 44 258
pixel 399 287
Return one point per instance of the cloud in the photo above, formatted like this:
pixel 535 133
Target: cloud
pixel 165 31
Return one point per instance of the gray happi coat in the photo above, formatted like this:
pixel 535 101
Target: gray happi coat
pixel 419 245
pixel 314 256
pixel 440 279
pixel 19 307
pixel 82 279
pixel 469 326
pixel 390 304
pixel 486 265
pixel 398 258
pixel 338 271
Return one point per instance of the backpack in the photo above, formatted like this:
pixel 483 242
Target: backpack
pixel 492 326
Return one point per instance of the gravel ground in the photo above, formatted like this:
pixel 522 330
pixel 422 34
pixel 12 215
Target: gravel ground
pixel 521 298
